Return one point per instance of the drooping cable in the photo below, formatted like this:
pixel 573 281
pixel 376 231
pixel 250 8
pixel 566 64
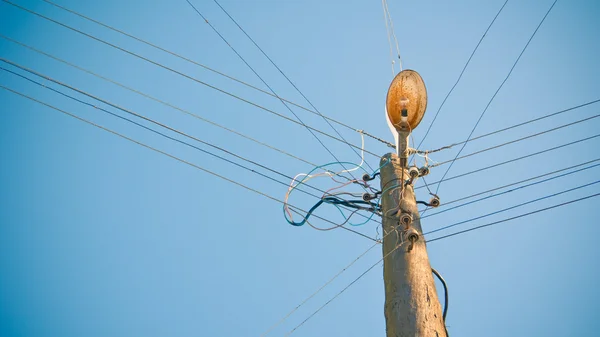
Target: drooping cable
pixel 296 209
pixel 436 273
pixel 337 204
pixel 496 93
pixel 161 125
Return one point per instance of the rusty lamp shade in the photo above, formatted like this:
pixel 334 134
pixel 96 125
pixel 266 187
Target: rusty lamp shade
pixel 407 92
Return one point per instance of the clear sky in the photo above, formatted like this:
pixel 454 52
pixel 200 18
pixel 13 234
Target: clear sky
pixel 103 237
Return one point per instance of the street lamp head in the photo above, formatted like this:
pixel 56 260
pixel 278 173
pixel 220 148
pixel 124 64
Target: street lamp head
pixel 406 101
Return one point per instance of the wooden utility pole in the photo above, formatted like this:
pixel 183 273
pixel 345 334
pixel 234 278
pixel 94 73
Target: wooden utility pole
pixel 411 306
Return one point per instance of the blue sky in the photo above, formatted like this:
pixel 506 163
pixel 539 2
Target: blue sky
pixel 102 237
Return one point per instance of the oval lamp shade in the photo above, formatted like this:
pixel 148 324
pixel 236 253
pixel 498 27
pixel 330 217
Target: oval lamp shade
pixel 408 90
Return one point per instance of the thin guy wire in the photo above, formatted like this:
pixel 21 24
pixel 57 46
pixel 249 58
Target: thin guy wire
pixel 512 184
pixel 273 91
pixel 498 90
pixel 287 78
pixel 517 140
pixel 513 160
pixel 514 217
pixel 512 207
pixel 342 291
pixel 389 16
pixel 387 31
pixel 166 127
pixel 316 292
pixel 156 100
pixel 295 209
pixel 182 74
pixel 461 74
pixel 204 66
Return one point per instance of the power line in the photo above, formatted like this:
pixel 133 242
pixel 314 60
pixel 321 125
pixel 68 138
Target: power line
pixel 273 91
pixel 517 140
pixel 516 125
pixel 514 189
pixel 513 160
pixel 285 76
pixel 514 217
pixel 461 74
pixel 295 209
pixel 183 75
pixel 187 59
pixel 496 93
pixel 513 207
pixel 157 100
pixel 163 126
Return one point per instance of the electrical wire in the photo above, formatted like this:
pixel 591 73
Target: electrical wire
pixel 513 160
pixel 512 127
pixel 342 291
pixel 187 112
pixel 514 217
pixel 287 78
pixel 182 74
pixel 461 74
pixel 513 207
pixel 296 209
pixel 271 89
pixel 316 292
pixel 518 182
pixel 496 93
pixel 158 124
pixel 187 59
pixel 516 140
pixel 436 273
pixel 511 190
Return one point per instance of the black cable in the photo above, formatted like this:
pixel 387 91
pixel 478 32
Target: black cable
pixel 274 93
pixel 435 272
pixel 161 125
pixel 461 74
pixel 295 209
pixel 287 78
pixel 514 217
pixel 496 93
pixel 184 75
